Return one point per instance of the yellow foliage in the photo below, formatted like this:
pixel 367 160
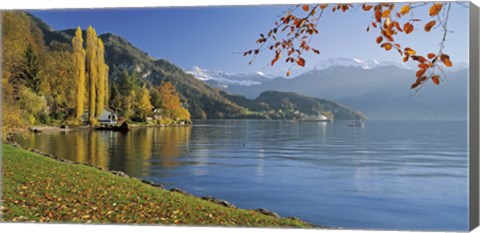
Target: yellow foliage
pixel 79 67
pixel 92 70
pixel 181 114
pixel 102 78
pixel 171 104
pixel 170 98
pixel 10 121
pixel 144 106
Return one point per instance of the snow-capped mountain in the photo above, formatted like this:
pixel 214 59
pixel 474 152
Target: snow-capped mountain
pixel 354 62
pixel 224 79
pixel 373 63
pixel 381 89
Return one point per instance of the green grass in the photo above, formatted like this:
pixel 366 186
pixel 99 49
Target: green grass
pixel 40 189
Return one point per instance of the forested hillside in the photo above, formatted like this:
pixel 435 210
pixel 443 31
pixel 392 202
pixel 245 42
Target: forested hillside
pixel 70 77
pixel 289 105
pixel 51 78
pixel 201 100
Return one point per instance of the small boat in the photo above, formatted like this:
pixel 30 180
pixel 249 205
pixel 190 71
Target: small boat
pixel 357 124
pixel 124 127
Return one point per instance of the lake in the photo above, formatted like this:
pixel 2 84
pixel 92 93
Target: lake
pixel 390 175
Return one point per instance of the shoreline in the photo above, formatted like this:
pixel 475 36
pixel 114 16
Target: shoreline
pixel 54 128
pixel 210 199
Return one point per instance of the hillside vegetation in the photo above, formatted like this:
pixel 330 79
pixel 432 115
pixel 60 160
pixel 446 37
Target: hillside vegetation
pixel 289 105
pixel 51 78
pixel 201 100
pixel 97 71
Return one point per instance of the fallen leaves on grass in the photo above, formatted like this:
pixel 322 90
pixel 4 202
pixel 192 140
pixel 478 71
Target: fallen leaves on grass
pixel 43 190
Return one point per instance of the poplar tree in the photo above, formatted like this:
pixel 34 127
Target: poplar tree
pixel 107 94
pixel 102 78
pixel 92 70
pixel 79 67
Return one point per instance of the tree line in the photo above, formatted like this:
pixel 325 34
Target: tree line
pixel 68 83
pixel 91 75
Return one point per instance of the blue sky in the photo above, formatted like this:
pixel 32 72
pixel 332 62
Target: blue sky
pixel 212 37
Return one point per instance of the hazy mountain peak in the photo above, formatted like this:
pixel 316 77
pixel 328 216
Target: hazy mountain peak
pixel 373 63
pixel 224 78
pixel 355 62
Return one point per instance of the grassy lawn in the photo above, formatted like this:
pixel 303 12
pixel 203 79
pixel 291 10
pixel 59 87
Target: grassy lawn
pixel 40 189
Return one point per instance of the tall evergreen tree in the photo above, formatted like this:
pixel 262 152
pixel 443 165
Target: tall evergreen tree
pixel 30 69
pixel 92 70
pixel 115 98
pixel 79 67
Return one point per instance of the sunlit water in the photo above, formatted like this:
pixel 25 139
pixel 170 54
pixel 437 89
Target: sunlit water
pixel 388 175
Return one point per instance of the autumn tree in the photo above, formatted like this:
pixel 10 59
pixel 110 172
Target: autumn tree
pixel 59 71
pixel 79 68
pixel 143 105
pixel 171 104
pixel 170 98
pixel 106 85
pixel 20 40
pixel 290 38
pixel 182 114
pixel 102 78
pixel 32 103
pixel 92 71
pixel 91 74
pixel 43 81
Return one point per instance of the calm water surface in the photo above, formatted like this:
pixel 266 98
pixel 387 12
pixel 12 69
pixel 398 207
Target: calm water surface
pixel 388 175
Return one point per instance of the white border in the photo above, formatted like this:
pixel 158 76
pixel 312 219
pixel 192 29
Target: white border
pixel 88 4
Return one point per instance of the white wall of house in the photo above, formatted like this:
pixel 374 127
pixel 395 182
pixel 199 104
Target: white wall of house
pixel 103 118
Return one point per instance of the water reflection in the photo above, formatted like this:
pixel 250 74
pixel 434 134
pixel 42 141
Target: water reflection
pixel 325 173
pixel 132 152
pixel 172 142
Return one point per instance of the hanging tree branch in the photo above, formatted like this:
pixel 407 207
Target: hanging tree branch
pixel 292 34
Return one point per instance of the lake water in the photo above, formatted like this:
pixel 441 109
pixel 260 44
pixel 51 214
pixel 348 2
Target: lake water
pixel 388 175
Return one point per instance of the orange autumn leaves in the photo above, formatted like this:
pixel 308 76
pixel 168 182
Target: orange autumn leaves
pixel 388 22
pixel 388 19
pixel 289 30
pixel 429 25
pixel 435 9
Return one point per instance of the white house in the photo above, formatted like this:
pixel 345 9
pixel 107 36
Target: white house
pixel 108 117
pixel 157 113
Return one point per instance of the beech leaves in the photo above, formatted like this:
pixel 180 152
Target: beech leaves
pixel 292 34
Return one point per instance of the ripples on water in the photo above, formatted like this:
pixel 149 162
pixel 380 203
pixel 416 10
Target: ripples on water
pixel 388 175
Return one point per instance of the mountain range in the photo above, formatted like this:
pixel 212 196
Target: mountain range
pixel 201 98
pixel 223 80
pixel 380 89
